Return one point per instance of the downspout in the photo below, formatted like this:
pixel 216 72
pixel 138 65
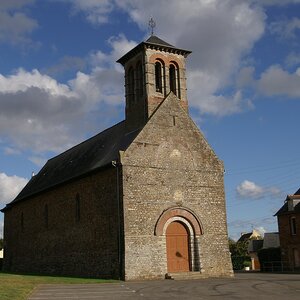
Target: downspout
pixel 116 164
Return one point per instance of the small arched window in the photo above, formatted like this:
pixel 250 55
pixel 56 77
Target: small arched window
pixel 139 80
pixel 172 75
pixel 159 77
pixel 174 79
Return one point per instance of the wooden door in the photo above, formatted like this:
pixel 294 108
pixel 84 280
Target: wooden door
pixel 177 248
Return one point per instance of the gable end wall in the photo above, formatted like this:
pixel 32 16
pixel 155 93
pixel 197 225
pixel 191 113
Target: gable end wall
pixel 172 166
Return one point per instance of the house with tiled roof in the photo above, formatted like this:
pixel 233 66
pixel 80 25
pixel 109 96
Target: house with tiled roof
pixel 288 217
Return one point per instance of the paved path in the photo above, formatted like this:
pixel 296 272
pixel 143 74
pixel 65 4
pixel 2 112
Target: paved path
pixel 243 286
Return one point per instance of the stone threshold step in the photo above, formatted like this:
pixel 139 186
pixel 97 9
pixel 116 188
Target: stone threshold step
pixel 185 275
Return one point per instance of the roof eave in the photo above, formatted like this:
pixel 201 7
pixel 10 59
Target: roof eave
pixel 130 54
pixel 21 199
pixel 145 45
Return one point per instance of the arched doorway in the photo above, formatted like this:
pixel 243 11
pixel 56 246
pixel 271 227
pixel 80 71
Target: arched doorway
pixel 177 238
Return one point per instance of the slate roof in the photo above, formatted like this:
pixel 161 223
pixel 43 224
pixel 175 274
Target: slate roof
pixel 93 154
pixel 155 43
pixel 271 240
pixel 255 245
pixel 284 208
pixel 245 237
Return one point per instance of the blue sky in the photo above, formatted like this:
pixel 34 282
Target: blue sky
pixel 59 84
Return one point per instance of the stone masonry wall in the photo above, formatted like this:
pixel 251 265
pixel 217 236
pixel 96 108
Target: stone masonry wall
pixel 169 165
pixel 81 243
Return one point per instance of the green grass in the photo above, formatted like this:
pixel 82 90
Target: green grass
pixel 19 287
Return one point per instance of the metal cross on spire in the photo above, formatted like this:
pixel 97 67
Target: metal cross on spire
pixel 152 25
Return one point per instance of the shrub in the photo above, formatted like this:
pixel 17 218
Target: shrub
pixel 247 263
pixel 238 262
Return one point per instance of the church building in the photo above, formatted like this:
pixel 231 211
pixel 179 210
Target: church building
pixel 144 199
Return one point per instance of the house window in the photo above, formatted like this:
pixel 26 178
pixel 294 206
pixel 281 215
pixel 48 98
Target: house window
pixel 77 208
pixel 174 79
pixel 158 77
pixel 139 80
pixel 46 223
pixel 293 225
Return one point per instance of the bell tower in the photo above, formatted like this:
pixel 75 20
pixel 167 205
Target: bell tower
pixel 153 69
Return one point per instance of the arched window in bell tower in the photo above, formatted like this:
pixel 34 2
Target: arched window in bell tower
pixel 159 76
pixel 139 80
pixel 174 79
pixel 130 80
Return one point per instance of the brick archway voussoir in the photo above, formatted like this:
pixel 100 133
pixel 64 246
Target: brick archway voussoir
pixel 178 212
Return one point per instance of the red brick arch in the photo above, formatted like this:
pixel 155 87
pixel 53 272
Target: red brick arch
pixel 185 213
pixel 167 59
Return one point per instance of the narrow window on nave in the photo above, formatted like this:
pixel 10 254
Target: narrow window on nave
pixel 46 216
pixel 22 221
pixel 77 208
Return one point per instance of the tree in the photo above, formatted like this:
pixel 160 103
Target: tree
pixel 1 244
pixel 239 254
pixel 238 248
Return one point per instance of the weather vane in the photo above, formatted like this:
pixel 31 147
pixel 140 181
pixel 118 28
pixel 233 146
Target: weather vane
pixel 152 25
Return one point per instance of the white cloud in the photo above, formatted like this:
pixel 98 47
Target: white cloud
pixel 245 77
pixel 275 81
pixel 106 79
pixel 10 186
pixel 38 160
pixel 276 2
pixel 120 45
pixel 293 59
pixel 96 11
pixel 261 229
pixel 15 25
pixel 220 33
pixel 34 110
pixel 285 29
pixel 65 64
pixel 21 81
pixel 219 105
pixel 250 190
pixel 38 113
pixel 41 114
pixel 11 151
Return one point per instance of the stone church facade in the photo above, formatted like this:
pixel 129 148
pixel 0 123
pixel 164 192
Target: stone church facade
pixel 143 199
